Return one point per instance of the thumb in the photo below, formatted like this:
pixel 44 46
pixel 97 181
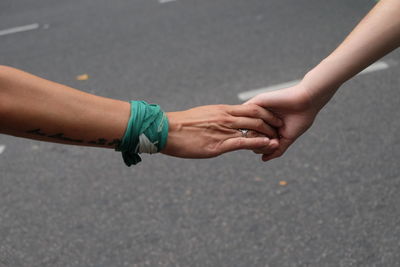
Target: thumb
pixel 274 99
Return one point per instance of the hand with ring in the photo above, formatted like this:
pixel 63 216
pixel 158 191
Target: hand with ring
pixel 244 132
pixel 209 131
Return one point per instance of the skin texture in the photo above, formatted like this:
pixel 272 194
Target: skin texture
pixel 375 36
pixel 35 108
pixel 213 130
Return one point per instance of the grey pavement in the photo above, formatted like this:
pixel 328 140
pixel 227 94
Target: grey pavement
pixel 73 206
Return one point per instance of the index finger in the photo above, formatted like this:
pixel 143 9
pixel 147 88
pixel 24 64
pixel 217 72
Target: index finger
pixel 255 111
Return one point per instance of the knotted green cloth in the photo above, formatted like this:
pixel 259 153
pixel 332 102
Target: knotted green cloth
pixel 146 132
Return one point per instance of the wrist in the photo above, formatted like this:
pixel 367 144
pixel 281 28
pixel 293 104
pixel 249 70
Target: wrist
pixel 322 82
pixel 146 132
pixel 174 126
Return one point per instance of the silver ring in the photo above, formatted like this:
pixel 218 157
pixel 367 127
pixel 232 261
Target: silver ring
pixel 244 132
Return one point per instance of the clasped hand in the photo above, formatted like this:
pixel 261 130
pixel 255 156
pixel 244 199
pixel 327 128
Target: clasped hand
pixel 275 120
pixel 295 107
pixel 209 131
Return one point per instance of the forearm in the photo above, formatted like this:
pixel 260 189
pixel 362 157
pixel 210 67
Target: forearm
pixel 375 36
pixel 36 108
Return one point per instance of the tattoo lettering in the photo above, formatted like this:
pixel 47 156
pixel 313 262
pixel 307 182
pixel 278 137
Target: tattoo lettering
pixel 115 142
pixel 100 141
pixel 37 132
pixel 104 142
pixel 61 136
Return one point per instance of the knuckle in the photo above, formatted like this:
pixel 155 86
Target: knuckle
pixel 213 149
pixel 255 112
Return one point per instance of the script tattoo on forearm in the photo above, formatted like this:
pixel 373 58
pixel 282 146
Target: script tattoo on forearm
pixel 103 142
pixel 58 136
pixel 62 137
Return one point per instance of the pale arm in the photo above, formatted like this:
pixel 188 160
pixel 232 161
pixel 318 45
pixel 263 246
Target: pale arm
pixel 375 36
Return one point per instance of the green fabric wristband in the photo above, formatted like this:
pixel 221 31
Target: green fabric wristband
pixel 146 132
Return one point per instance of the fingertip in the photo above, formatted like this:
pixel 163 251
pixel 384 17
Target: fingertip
pixel 256 143
pixel 267 157
pixel 262 142
pixel 274 143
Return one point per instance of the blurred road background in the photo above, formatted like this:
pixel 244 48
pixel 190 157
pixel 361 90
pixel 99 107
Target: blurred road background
pixel 332 200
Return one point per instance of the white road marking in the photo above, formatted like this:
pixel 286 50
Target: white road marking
pixel 165 1
pixel 249 94
pixel 380 65
pixel 377 66
pixel 2 148
pixel 24 28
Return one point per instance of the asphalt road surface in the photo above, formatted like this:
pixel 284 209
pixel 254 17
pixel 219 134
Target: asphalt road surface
pixel 73 206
